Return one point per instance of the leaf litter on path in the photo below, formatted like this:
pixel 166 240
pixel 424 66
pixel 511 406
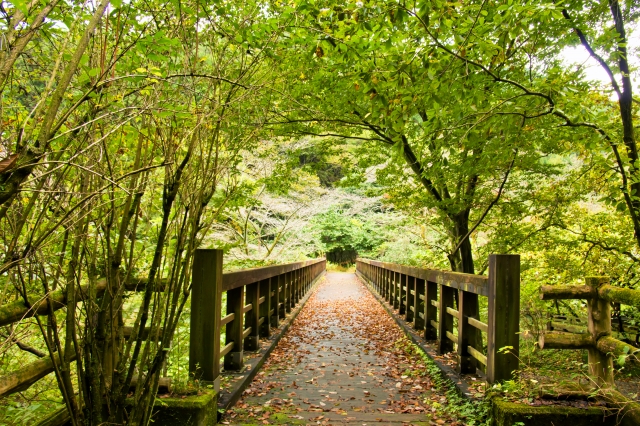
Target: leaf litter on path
pixel 343 360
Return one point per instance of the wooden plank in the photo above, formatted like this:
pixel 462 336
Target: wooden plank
pixel 226 349
pixel 479 356
pixel 205 323
pixel 504 317
pixel 453 312
pixel 452 337
pixel 247 332
pixel 226 320
pixel 248 307
pixel 231 280
pixel 477 284
pixel 478 324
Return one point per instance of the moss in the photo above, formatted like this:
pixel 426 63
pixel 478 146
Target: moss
pixel 282 418
pixel 621 295
pixel 194 402
pixel 509 413
pixel 196 410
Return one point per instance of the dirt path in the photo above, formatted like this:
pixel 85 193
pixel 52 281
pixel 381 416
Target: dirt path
pixel 343 361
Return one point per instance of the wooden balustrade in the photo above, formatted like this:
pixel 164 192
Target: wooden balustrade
pixel 432 301
pixel 601 346
pixel 256 300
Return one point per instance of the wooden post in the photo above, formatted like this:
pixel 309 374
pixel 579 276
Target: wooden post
pixel 445 320
pixel 430 311
pixel 287 291
pixel 235 329
pixel 418 323
pixel 385 291
pixel 281 297
pixel 504 317
pixel 206 304
pixel 411 288
pixel 599 325
pixel 395 291
pixel 265 308
pixel 252 318
pixel 467 334
pixel 402 293
pixel 276 282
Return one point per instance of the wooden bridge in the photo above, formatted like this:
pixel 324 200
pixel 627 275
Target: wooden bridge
pixel 316 373
pixel 293 344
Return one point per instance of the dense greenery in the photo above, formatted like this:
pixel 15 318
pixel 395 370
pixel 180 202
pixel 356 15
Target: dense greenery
pixel 429 133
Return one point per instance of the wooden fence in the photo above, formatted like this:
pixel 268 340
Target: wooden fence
pixel 598 340
pixel 432 299
pixel 256 299
pixel 621 327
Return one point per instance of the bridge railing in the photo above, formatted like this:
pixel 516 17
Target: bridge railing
pixel 431 299
pixel 257 299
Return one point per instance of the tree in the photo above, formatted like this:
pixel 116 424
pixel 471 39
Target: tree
pixel 117 170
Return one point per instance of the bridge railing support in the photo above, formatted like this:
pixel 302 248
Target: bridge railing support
pixel 444 306
pixel 256 299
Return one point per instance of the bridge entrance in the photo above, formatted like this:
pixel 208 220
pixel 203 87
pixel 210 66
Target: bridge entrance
pixel 344 360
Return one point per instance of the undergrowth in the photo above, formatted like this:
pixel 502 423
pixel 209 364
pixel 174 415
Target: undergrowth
pixel 474 413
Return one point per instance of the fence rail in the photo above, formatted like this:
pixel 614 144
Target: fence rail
pixel 598 339
pixel 257 299
pixel 432 299
pixel 272 290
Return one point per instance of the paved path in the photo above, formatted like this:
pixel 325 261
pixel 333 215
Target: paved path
pixel 343 361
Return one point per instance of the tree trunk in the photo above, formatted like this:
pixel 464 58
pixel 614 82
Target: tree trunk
pixel 462 260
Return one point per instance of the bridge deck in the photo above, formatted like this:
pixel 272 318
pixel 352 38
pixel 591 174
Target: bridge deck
pixel 344 360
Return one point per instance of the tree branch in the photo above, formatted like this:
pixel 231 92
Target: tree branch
pixel 489 207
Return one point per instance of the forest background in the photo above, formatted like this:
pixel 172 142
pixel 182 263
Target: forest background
pixel 426 133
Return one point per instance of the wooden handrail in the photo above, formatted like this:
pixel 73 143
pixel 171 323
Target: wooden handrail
pixel 257 299
pixel 291 282
pixel 428 300
pixel 477 284
pixel 235 279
